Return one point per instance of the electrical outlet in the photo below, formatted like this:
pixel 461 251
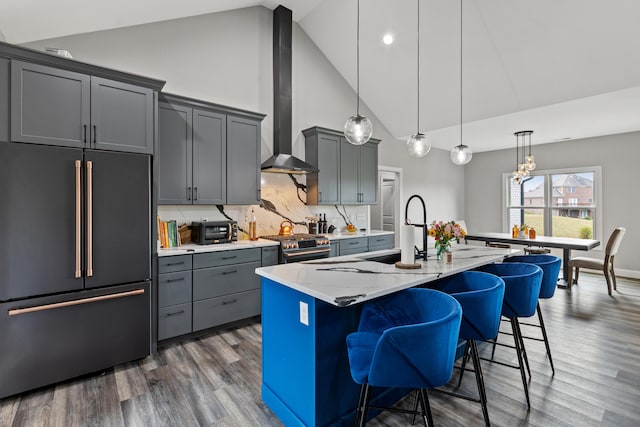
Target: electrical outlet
pixel 304 313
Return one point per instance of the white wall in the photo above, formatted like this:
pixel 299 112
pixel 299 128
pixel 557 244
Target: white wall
pixel 2 37
pixel 617 154
pixel 226 58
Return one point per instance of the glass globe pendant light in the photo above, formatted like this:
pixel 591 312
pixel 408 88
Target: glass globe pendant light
pixel 358 129
pixel 418 144
pixel 461 154
pixel 530 160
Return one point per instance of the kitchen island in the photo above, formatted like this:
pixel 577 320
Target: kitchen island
pixel 307 311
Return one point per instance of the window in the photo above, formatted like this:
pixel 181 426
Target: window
pixel 542 202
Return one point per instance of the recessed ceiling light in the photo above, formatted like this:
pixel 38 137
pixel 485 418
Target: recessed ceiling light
pixel 387 39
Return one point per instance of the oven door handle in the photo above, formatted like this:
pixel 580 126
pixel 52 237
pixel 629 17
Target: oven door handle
pixel 303 253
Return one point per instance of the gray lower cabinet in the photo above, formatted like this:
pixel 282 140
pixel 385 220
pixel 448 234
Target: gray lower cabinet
pixel 204 290
pixel 4 98
pixel 354 245
pixel 206 154
pixel 335 249
pixel 378 243
pixel 348 174
pixel 270 255
pixel 65 108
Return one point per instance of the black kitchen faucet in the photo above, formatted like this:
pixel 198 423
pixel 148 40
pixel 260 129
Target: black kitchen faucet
pixel 425 232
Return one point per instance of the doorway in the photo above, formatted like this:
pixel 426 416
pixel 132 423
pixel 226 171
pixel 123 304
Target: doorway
pixel 386 214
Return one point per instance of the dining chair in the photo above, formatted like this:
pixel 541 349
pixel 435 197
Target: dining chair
pixel 550 265
pixel 481 297
pixel 405 340
pixel 605 265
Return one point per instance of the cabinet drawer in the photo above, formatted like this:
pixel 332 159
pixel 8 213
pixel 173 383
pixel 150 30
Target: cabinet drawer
pixel 215 259
pixel 174 288
pixel 355 243
pixel 217 311
pixel 174 320
pixel 377 243
pixel 218 281
pixel 351 251
pixel 168 264
pixel 51 345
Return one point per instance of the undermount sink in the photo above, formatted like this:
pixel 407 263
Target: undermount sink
pixel 385 259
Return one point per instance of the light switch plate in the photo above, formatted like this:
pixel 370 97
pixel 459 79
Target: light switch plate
pixel 304 313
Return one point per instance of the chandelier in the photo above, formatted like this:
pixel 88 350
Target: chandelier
pixel 524 164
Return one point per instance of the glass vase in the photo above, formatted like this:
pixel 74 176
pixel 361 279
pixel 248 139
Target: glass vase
pixel 441 250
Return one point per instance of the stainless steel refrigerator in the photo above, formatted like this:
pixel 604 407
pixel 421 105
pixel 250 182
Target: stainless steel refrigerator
pixel 75 262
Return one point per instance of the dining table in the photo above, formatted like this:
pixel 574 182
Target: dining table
pixel 564 243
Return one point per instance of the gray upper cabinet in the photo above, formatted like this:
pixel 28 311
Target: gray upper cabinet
pixel 368 173
pixel 348 174
pixel 358 172
pixel 49 106
pixel 206 156
pixel 323 151
pixel 5 65
pixel 243 160
pixel 209 153
pixel 65 108
pixel 174 154
pixel 121 116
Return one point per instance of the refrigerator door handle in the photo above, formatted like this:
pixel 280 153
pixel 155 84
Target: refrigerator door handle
pixel 78 272
pixel 89 218
pixel 16 311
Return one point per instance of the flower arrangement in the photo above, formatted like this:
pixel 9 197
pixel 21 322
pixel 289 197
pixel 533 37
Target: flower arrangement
pixel 444 233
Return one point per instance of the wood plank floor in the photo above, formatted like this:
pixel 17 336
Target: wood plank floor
pixel 215 380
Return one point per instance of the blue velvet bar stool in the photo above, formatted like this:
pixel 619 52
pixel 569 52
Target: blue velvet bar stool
pixel 522 287
pixel 550 270
pixel 481 297
pixel 405 340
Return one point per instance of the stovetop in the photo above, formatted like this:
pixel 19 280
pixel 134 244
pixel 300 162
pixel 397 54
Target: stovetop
pixel 297 236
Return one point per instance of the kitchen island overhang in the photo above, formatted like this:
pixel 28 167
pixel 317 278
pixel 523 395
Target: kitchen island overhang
pixel 308 309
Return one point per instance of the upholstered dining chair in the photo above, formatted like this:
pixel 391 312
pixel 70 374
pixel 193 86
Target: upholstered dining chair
pixel 405 340
pixel 605 265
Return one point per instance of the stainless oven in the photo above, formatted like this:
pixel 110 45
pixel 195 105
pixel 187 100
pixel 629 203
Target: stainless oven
pixel 301 247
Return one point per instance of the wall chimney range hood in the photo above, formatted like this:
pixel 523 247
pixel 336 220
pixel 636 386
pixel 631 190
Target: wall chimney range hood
pixel 282 161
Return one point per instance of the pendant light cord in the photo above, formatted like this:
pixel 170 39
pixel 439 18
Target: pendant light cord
pixel 358 60
pixel 461 73
pixel 418 74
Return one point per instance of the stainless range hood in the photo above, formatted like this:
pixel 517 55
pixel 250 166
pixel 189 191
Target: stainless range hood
pixel 282 161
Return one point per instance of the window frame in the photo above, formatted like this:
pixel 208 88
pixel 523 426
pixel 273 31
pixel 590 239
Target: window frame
pixel 548 204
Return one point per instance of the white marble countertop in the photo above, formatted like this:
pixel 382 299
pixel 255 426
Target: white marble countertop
pixel 352 279
pixel 192 248
pixel 347 235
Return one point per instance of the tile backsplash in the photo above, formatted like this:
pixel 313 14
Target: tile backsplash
pixel 280 201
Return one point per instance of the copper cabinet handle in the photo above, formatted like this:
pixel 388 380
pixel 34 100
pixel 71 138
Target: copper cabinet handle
pixel 89 218
pixel 78 272
pixel 25 310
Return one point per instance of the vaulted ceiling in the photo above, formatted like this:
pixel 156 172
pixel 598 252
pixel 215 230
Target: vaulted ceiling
pixel 566 69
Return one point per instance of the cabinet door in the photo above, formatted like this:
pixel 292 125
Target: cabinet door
pixel 49 106
pixel 37 220
pixel 209 157
pixel 121 211
pixel 4 99
pixel 174 154
pixel 243 161
pixel 349 161
pixel 121 116
pixel 368 173
pixel 329 169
